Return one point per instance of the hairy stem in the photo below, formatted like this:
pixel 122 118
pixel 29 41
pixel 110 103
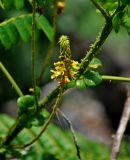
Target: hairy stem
pixel 34 53
pixel 101 9
pixel 10 78
pixel 97 45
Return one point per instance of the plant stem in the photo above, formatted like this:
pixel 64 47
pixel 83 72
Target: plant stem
pixel 115 78
pixel 101 9
pixel 34 53
pixel 121 129
pixel 73 134
pixel 49 98
pixel 10 78
pixel 94 49
pixel 51 46
pixel 96 46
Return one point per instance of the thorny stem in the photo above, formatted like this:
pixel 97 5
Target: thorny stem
pixel 101 9
pixel 34 53
pixel 10 78
pixel 96 46
pixel 94 49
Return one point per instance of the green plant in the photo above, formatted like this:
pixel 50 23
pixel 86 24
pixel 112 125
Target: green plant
pixel 69 73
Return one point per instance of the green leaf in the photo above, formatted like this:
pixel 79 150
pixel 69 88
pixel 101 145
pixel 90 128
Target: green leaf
pixel 40 2
pixel 11 29
pixel 109 5
pixel 10 4
pixel 12 33
pixel 89 83
pixel 117 21
pixel 126 21
pixel 25 103
pixel 95 63
pixel 22 29
pixel 7 3
pixel 81 83
pixel 44 24
pixel 89 79
pixel 21 26
pixel 93 78
pixel 5 39
pixel 56 144
pixel 71 84
pixel 19 4
pixel 126 2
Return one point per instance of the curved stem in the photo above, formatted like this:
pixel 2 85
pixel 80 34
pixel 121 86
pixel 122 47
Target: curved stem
pixel 73 134
pixel 94 49
pixel 101 9
pixel 34 53
pixel 10 78
pixel 115 78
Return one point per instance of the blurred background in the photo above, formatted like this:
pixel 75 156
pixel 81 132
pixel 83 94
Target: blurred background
pixel 94 112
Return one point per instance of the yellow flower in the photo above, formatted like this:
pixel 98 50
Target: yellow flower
pixel 75 64
pixel 65 69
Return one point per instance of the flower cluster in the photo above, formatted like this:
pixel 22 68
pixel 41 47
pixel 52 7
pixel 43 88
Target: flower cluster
pixel 66 69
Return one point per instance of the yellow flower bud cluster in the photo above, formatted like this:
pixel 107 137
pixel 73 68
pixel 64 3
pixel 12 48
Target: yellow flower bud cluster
pixel 64 74
pixel 65 69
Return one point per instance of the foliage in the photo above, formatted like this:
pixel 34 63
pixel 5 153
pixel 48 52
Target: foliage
pixel 55 143
pixel 12 29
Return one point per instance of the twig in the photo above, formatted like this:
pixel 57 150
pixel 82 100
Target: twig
pixel 10 78
pixel 73 133
pixel 34 53
pixel 115 78
pixel 96 46
pixel 101 9
pixel 94 49
pixel 121 129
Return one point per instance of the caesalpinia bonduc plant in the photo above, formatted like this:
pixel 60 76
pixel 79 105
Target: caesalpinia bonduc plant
pixel 33 119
